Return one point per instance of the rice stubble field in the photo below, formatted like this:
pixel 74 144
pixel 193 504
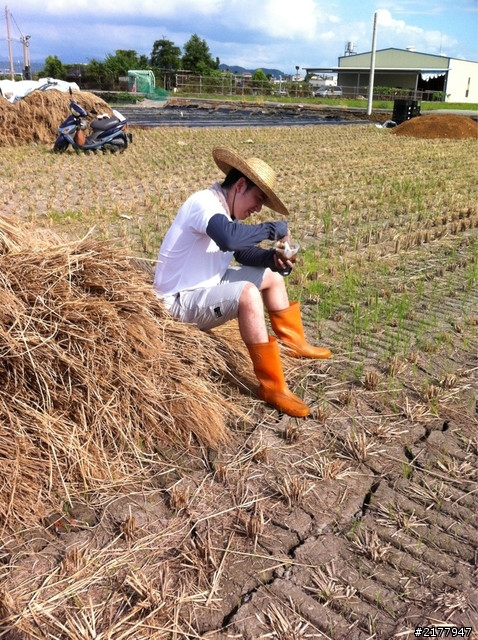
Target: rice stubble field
pixel 358 522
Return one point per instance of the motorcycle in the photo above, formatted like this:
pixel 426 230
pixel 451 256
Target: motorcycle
pixel 108 133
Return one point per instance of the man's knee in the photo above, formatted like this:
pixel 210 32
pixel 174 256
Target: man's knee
pixel 250 296
pixel 272 279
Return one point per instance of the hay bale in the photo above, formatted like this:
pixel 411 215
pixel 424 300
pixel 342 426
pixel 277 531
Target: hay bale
pixel 95 376
pixel 35 118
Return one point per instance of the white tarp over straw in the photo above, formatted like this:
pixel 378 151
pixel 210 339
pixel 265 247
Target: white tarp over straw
pixel 13 90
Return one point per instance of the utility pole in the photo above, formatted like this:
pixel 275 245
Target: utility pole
pixel 27 74
pixel 372 65
pixel 9 40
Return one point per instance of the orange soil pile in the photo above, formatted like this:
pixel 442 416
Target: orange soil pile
pixel 438 126
pixel 36 117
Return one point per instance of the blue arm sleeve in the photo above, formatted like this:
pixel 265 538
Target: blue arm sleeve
pixel 256 257
pixel 233 236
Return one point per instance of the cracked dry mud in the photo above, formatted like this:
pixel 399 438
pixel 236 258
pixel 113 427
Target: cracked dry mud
pixel 378 549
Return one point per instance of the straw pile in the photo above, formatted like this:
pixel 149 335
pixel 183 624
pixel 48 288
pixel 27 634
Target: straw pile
pixel 36 117
pixel 433 126
pixel 96 380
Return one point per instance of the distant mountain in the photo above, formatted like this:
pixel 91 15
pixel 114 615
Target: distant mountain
pixel 18 66
pixel 38 66
pixel 240 70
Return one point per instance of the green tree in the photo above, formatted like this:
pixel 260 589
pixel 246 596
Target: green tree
pixel 54 68
pixel 122 61
pixel 96 73
pixel 259 78
pixel 197 57
pixel 165 55
pixel 260 81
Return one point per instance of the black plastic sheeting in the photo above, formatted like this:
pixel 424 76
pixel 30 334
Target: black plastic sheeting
pixel 193 116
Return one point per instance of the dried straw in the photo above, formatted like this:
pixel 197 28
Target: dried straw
pixel 35 118
pixel 95 377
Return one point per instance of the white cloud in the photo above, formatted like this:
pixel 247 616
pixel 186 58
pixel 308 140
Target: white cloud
pixel 386 21
pixel 279 18
pixel 285 19
pixel 403 34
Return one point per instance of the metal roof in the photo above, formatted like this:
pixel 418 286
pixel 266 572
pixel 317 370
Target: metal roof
pixel 367 68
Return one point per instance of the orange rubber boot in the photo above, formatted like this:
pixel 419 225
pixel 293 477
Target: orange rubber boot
pixel 273 388
pixel 287 325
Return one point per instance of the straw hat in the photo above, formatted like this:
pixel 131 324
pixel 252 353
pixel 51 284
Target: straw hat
pixel 258 171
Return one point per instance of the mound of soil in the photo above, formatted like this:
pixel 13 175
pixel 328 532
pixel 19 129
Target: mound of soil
pixel 36 117
pixel 438 126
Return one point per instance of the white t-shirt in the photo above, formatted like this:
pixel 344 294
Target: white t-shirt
pixel 188 258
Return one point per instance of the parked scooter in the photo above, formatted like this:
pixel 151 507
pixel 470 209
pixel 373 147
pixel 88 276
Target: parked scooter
pixel 108 133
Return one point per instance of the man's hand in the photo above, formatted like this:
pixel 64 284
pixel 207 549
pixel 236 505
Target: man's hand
pixel 281 260
pixel 282 263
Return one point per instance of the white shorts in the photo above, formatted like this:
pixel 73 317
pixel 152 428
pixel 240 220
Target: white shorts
pixel 210 307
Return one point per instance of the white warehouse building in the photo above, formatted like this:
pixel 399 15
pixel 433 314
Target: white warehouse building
pixel 424 74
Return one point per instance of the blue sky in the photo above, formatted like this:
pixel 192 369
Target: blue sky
pixel 279 34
